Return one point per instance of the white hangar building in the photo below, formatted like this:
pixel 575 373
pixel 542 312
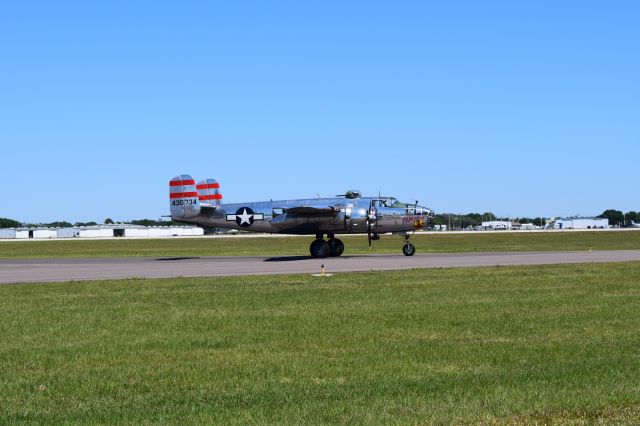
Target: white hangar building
pixel 581 223
pixel 102 231
pixel 495 225
pixel 26 233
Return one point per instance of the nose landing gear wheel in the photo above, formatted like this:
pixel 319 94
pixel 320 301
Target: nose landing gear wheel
pixel 409 249
pixel 336 247
pixel 319 248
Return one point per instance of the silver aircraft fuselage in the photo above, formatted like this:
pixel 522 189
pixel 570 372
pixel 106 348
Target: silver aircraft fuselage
pixel 322 215
pixel 348 214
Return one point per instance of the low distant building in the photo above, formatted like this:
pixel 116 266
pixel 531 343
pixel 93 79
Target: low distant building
pixel 97 232
pixel 497 225
pixel 138 231
pixel 68 232
pixel 14 233
pixel 26 233
pixel 41 233
pixel 528 227
pixel 102 231
pixel 581 223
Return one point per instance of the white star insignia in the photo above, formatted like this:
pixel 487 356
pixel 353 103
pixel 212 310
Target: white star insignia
pixel 245 217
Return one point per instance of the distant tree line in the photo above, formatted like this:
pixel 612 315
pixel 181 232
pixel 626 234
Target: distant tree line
pixel 457 221
pixel 8 223
pixel 453 220
pixel 151 222
pixel 467 220
pixel 617 218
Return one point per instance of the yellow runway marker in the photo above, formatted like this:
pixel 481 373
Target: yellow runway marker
pixel 322 273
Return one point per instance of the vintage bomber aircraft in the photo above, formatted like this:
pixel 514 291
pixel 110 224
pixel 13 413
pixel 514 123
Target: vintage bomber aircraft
pixel 350 213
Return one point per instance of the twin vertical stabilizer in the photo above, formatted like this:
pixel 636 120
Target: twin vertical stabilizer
pixel 187 199
pixel 183 198
pixel 209 192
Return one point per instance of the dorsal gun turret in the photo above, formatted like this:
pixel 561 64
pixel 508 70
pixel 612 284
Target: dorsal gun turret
pixel 351 194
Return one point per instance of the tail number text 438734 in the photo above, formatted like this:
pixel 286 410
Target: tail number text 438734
pixel 185 202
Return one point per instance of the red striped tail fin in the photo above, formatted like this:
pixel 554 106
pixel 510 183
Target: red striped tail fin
pixel 209 192
pixel 183 198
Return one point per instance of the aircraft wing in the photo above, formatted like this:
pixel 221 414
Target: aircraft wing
pixel 207 210
pixel 208 207
pixel 312 211
pixel 304 219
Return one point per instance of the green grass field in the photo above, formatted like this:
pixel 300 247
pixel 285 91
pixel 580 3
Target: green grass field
pixel 549 344
pixel 434 243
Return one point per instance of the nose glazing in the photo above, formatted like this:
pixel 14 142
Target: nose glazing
pixel 424 211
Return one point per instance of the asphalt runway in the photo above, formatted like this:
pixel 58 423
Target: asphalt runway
pixel 52 270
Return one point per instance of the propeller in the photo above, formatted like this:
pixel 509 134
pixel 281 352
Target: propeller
pixel 371 220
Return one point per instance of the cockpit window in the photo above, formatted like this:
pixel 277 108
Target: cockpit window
pixel 386 202
pixel 393 202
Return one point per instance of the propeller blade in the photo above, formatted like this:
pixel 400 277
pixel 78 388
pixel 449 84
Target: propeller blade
pixel 370 213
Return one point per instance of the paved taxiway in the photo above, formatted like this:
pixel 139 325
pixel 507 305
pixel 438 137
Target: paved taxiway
pixel 51 270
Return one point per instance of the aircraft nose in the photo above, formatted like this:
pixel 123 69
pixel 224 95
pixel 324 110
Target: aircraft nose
pixel 425 211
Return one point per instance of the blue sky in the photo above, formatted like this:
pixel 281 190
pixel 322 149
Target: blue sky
pixel 521 108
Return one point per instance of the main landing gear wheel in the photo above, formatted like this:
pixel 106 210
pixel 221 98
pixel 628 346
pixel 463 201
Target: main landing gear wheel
pixel 319 248
pixel 336 247
pixel 409 249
